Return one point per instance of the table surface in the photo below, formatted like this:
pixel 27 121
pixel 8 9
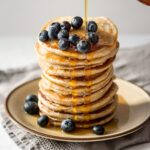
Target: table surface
pixel 20 52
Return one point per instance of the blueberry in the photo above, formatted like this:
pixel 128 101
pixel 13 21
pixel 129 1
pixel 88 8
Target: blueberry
pixel 43 120
pixel 83 46
pixel 63 34
pixel 99 130
pixel 93 37
pixel 64 44
pixel 67 125
pixel 77 22
pixel 31 107
pixel 65 26
pixel 56 25
pixel 43 36
pixel 92 26
pixel 74 39
pixel 32 98
pixel 52 32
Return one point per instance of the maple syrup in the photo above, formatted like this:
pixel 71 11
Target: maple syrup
pixel 85 13
pixel 111 127
pixel 87 75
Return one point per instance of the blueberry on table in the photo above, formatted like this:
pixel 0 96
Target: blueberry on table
pixel 98 130
pixel 67 125
pixel 83 46
pixel 93 37
pixel 32 98
pixel 52 32
pixel 43 36
pixel 31 107
pixel 56 25
pixel 63 44
pixel 76 22
pixel 65 26
pixel 63 34
pixel 92 26
pixel 43 121
pixel 74 39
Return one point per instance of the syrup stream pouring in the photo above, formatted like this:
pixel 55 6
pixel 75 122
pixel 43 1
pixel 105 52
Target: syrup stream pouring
pixel 85 13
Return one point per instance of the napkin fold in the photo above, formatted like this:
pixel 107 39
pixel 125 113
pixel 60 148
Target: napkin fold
pixel 131 64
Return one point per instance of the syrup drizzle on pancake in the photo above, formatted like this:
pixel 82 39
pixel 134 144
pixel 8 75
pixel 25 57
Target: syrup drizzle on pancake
pixel 69 71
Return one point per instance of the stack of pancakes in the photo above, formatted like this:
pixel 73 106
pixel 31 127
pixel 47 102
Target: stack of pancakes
pixel 78 85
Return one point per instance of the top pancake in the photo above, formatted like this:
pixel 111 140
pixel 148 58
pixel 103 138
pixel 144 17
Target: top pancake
pixel 107 33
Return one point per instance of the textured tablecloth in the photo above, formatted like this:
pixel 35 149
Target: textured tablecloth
pixel 131 64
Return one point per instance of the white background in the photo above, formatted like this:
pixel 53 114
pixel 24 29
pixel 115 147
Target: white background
pixel 25 17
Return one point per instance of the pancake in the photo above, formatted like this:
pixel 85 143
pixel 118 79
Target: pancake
pixel 90 106
pixel 78 85
pixel 79 72
pixel 100 121
pixel 79 82
pixel 77 91
pixel 82 117
pixel 77 102
pixel 74 101
pixel 51 58
pixel 107 32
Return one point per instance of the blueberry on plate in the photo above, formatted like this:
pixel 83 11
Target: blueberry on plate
pixel 76 22
pixel 52 32
pixel 63 44
pixel 99 130
pixel 31 107
pixel 32 98
pixel 43 36
pixel 83 46
pixel 63 34
pixel 56 25
pixel 43 121
pixel 65 26
pixel 93 37
pixel 74 39
pixel 67 125
pixel 92 26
